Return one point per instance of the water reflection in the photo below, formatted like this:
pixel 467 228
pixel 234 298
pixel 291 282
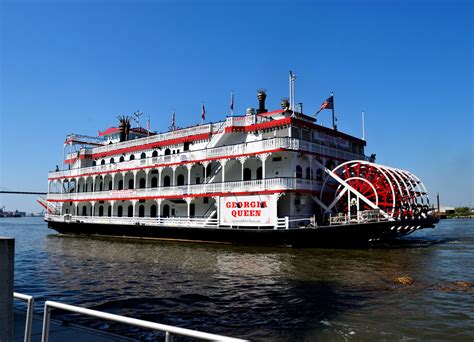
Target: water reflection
pixel 257 293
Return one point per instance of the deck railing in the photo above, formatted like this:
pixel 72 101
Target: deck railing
pixel 216 152
pixel 274 184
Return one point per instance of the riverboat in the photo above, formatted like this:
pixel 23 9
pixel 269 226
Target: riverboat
pixel 263 178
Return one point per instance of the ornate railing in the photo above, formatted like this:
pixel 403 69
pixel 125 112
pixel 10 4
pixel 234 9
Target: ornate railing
pixel 225 152
pixel 273 184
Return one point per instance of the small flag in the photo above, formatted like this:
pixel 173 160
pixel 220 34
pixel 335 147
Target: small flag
pixel 328 104
pixel 172 120
pixel 232 102
pixel 203 112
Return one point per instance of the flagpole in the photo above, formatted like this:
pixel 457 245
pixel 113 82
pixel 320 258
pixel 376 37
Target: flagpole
pixel 363 126
pixel 333 123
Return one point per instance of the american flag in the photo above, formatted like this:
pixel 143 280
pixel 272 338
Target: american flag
pixel 203 112
pixel 232 102
pixel 328 104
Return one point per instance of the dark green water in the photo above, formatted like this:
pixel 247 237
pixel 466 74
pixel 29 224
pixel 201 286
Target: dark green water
pixel 267 294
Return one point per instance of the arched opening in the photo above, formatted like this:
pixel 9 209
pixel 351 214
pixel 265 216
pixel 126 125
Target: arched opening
pixel 130 211
pixel 167 152
pixel 102 162
pixel 112 161
pixel 259 173
pixel 130 184
pixel 166 210
pixel 299 172
pixel 141 211
pixel 119 211
pixel 100 186
pixel 143 155
pixel 180 180
pixel 247 174
pixel 110 185
pixel 109 211
pixel 153 210
pixel 154 154
pixel 308 173
pixel 122 158
pixel 154 182
pixel 101 210
pixel 319 174
pixel 84 211
pixel 132 157
pixel 120 185
pixel 167 181
pixel 142 183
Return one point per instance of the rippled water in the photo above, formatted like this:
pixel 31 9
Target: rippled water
pixel 259 293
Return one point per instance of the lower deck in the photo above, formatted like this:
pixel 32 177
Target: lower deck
pixel 347 234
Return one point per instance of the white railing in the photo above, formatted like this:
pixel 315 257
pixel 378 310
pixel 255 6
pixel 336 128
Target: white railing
pixel 142 221
pixel 195 189
pixel 169 330
pixel 29 313
pixel 365 216
pixel 225 152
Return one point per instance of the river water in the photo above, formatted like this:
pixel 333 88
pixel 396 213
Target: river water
pixel 266 294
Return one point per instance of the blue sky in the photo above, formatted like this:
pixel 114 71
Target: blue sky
pixel 73 66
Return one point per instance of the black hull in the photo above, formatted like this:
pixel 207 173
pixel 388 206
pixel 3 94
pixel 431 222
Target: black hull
pixel 337 236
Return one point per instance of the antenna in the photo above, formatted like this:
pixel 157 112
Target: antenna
pixel 136 117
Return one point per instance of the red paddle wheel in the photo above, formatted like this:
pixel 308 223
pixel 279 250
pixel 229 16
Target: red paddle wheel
pixel 360 185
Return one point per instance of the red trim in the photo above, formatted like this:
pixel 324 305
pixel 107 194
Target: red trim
pixel 212 194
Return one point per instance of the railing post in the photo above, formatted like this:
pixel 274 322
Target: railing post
pixel 287 222
pixel 7 257
pixel 46 318
pixel 168 337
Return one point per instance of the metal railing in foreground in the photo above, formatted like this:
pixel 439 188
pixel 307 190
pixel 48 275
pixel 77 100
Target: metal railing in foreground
pixel 169 330
pixel 29 313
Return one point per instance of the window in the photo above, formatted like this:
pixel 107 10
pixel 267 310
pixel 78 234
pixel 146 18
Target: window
pixel 94 163
pixel 153 211
pixel 110 185
pixel 308 173
pixel 119 211
pixel 143 155
pixel 154 182
pixel 132 157
pixel 120 185
pixel 205 200
pixel 247 174
pixel 84 211
pixel 154 154
pixel 259 173
pixel 167 181
pixel 122 158
pixel 186 146
pixel 130 184
pixel 166 210
pixel 102 162
pixel 180 180
pixel 276 159
pixel 142 183
pixel 141 211
pixel 167 152
pixel 299 172
pixel 112 161
pixel 101 211
pixel 109 211
pixel 130 211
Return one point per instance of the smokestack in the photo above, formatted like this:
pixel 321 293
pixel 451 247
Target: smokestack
pixel 261 96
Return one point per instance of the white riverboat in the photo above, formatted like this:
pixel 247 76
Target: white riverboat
pixel 263 178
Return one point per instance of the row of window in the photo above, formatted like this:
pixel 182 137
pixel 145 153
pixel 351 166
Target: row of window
pixel 167 211
pixel 132 157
